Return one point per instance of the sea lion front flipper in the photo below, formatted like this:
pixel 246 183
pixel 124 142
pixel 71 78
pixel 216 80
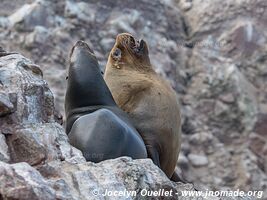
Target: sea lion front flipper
pixel 102 135
pixel 177 178
pixel 153 154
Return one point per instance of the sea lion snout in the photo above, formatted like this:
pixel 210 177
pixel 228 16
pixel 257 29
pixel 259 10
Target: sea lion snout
pixel 84 45
pixel 81 46
pixel 128 45
pixel 81 50
pixel 128 41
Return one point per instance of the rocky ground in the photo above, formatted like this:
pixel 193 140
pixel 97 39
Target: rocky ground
pixel 214 53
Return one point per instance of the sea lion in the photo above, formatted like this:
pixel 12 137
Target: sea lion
pixel 148 99
pixel 94 123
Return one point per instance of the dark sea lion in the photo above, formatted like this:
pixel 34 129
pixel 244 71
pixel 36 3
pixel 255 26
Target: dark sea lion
pixel 148 99
pixel 94 123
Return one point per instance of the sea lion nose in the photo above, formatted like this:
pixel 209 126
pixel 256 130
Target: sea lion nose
pixel 83 44
pixel 132 40
pixel 80 43
pixel 141 44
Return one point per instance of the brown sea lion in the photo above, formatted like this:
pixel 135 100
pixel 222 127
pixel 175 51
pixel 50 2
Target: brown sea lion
pixel 148 99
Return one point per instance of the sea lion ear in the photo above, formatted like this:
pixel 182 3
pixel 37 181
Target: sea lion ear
pixel 143 47
pixel 116 54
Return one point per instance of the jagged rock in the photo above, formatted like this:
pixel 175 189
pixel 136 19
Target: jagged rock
pixel 40 35
pixel 117 175
pixel 183 161
pixel 219 78
pixel 261 125
pixel 6 104
pixel 44 142
pixel 4 154
pixel 80 11
pixel 21 181
pixel 31 15
pixel 4 22
pixel 226 89
pixel 223 15
pixel 64 180
pixel 34 100
pixel 186 4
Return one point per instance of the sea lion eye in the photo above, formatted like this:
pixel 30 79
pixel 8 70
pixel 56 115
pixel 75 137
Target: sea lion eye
pixel 116 54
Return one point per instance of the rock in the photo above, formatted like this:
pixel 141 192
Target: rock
pixel 21 181
pixel 261 125
pixel 81 10
pixel 198 160
pixel 31 129
pixel 128 174
pixel 44 142
pixel 85 181
pixel 107 43
pixel 4 154
pixel 124 22
pixel 40 35
pixel 200 21
pixel 182 161
pixel 227 98
pixel 219 77
pixel 6 106
pixel 4 22
pixel 33 101
pixel 186 4
pixel 220 108
pixel 31 15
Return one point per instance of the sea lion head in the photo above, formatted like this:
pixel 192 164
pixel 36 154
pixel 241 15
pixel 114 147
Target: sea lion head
pixel 129 52
pixel 80 55
pixel 80 51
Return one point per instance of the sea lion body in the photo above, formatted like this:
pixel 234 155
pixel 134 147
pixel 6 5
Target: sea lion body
pixel 94 123
pixel 148 99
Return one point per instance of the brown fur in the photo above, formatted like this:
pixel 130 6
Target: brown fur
pixel 150 101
